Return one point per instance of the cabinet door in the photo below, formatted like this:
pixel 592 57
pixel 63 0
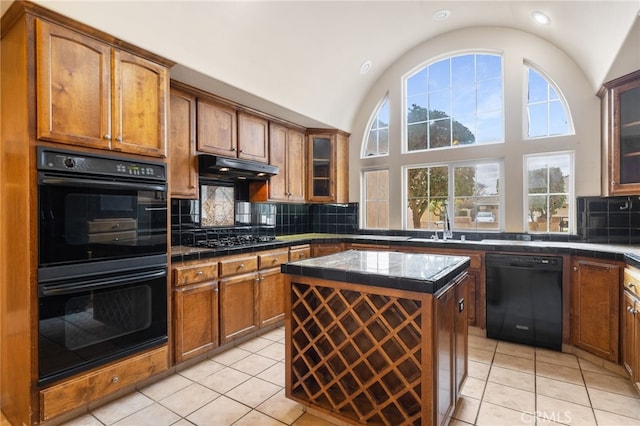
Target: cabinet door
pixel 445 360
pixel 238 314
pixel 73 91
pixel 278 140
pixel 141 88
pixel 183 170
pixel 595 305
pixel 296 166
pixel 629 353
pixel 270 297
pixel 321 168
pixel 196 319
pixel 216 129
pixel 624 155
pixel 253 138
pixel 462 307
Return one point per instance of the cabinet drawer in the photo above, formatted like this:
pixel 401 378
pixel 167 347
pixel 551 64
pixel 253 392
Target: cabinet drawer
pixel 195 273
pixel 299 252
pixel 632 281
pixel 238 265
pixel 90 387
pixel 272 259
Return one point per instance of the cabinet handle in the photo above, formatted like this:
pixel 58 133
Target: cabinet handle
pixel 107 136
pixel 240 266
pixel 199 273
pixel 115 379
pixel 631 285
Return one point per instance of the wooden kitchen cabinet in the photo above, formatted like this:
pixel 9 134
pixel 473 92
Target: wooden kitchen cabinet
pixel 216 128
pixel 630 330
pixel 238 311
pixel 195 301
pixel 445 345
pixel 462 332
pixel 595 304
pixel 93 95
pixel 81 390
pixel 183 167
pixel 253 137
pixel 328 159
pixel 323 249
pixel 287 151
pixel 623 118
pixel 271 286
pixel 299 252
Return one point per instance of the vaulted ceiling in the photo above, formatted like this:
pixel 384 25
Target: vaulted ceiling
pixel 301 60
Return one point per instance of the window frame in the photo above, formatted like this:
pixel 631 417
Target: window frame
pixel 374 117
pixel 571 201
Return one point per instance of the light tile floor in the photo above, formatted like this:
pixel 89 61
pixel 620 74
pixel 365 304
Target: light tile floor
pixel 508 384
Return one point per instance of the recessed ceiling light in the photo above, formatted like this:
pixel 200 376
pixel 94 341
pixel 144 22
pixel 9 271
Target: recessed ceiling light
pixel 541 18
pixel 441 15
pixel 366 66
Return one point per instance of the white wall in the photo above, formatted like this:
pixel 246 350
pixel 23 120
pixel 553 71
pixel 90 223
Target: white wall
pixel 515 46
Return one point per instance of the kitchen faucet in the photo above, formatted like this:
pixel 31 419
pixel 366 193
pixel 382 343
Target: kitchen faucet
pixel 446 226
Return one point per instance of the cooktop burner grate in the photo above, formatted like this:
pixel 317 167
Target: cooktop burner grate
pixel 235 241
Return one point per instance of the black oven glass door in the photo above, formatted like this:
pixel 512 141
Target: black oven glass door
pixel 88 323
pixel 87 220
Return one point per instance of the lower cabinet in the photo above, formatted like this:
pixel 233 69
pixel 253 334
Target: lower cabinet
pixel 595 304
pixel 630 352
pixel 195 319
pixel 238 313
pixel 324 249
pixel 451 347
pixel 270 297
pixel 84 389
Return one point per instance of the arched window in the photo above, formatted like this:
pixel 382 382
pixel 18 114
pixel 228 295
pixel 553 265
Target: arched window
pixel 456 101
pixel 376 143
pixel 546 109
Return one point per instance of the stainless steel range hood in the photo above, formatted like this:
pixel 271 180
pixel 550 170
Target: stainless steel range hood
pixel 215 167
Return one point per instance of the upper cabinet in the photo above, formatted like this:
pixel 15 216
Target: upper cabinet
pixel 328 167
pixel 286 147
pixel 224 131
pixel 623 117
pixel 93 95
pixel 217 129
pixel 253 137
pixel 183 171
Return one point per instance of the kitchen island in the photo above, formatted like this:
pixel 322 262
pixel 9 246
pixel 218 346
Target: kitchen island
pixel 377 337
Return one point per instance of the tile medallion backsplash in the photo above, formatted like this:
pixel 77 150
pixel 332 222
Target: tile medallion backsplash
pixel 217 205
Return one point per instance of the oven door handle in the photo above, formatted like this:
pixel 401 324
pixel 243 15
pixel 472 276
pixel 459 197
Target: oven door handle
pixel 45 290
pixel 93 183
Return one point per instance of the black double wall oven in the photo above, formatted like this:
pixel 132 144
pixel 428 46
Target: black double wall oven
pixel 102 252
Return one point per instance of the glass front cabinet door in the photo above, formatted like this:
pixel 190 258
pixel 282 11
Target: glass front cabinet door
pixel 623 117
pixel 328 169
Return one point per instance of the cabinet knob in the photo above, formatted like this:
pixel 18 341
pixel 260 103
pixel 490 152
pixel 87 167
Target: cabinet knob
pixel 575 268
pixel 115 379
pixel 613 183
pixel 240 266
pixel 107 137
pixel 215 290
pixel 232 149
pixel 119 139
pixel 199 273
pixel 631 285
pixel 275 259
pixel 241 151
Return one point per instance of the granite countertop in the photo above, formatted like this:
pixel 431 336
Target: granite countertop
pixel 621 252
pixel 425 273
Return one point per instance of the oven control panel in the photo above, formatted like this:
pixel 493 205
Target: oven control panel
pixel 75 162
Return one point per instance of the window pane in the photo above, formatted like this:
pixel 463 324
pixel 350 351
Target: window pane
pixel 558 122
pixel 488 67
pixel 537 87
pixel 547 114
pixel 538 120
pixel 417 136
pixel 477 199
pixel 489 127
pixel 440 133
pixel 466 88
pixel 440 75
pixel 377 142
pixel 549 199
pixel 383 142
pixel 376 202
pixel 372 144
pixel 427 190
pixel 465 178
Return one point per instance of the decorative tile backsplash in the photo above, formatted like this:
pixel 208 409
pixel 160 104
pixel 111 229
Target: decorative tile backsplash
pixel 189 222
pixel 609 220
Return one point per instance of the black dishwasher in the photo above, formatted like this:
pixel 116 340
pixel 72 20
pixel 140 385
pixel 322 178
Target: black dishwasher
pixel 524 299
